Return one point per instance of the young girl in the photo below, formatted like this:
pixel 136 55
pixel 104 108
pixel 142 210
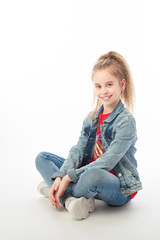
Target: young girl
pixel 102 164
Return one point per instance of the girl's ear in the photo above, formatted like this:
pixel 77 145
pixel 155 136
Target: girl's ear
pixel 123 84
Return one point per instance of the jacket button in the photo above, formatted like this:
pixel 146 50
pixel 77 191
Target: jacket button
pixel 119 174
pixel 127 191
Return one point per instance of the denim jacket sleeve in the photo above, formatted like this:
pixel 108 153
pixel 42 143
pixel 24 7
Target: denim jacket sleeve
pixel 124 137
pixel 75 156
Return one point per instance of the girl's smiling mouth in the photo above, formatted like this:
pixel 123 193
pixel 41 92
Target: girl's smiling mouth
pixel 106 98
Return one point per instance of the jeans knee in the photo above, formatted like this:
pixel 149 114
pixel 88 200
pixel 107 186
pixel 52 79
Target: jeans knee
pixel 40 159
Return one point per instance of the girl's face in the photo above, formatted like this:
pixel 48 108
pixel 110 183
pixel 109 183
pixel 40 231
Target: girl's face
pixel 108 89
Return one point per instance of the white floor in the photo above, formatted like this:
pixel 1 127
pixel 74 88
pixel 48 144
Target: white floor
pixel 31 216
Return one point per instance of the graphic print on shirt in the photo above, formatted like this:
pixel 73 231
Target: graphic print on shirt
pixel 98 149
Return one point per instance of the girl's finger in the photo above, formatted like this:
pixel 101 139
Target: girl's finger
pixel 51 197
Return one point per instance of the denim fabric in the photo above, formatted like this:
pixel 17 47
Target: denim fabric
pixel 93 182
pixel 118 137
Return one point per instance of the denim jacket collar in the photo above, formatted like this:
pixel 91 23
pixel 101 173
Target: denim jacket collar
pixel 115 112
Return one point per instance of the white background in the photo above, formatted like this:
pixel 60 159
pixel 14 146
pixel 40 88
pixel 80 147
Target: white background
pixel 47 51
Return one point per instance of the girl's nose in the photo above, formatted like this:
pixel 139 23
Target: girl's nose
pixel 104 91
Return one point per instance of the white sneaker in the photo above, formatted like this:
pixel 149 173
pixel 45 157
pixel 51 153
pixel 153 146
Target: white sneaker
pixel 43 188
pixel 80 208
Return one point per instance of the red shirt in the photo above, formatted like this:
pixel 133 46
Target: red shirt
pixel 98 148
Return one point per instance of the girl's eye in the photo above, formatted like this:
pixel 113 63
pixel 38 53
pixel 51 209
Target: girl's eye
pixel 98 86
pixel 109 85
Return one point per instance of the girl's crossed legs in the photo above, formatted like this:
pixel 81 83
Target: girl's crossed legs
pixel 93 183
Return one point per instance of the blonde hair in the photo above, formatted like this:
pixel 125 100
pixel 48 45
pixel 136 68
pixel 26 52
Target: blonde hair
pixel 118 67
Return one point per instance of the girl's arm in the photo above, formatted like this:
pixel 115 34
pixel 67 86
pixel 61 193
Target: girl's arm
pixel 75 156
pixel 125 136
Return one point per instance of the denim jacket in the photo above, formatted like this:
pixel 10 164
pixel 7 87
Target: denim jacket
pixel 118 133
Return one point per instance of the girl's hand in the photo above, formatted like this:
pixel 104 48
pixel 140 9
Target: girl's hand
pixel 62 188
pixel 54 189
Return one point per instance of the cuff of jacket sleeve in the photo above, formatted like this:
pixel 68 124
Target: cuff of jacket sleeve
pixel 72 174
pixel 57 174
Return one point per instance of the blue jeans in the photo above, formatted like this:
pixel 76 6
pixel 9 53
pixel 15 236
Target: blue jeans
pixel 94 182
